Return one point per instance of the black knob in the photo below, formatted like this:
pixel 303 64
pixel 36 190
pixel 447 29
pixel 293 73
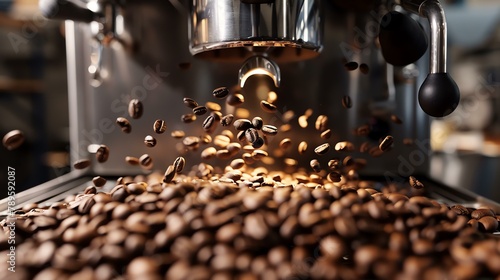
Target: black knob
pixel 65 9
pixel 439 95
pixel 402 39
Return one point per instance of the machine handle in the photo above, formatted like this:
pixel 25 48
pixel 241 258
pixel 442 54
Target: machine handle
pixel 439 95
pixel 402 39
pixel 65 9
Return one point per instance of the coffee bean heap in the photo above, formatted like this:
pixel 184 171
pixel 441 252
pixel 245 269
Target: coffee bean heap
pixel 253 224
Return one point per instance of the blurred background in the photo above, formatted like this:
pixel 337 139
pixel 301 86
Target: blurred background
pixel 33 97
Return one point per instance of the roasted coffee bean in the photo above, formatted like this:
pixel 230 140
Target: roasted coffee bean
pixel 344 146
pixel 285 144
pixel 321 123
pixel 270 130
pixel 267 107
pixel 259 142
pixel 315 165
pixel 220 92
pixel 488 223
pixel 386 144
pixel 208 153
pixel 191 141
pixel 257 123
pixel 208 123
pixel 302 147
pixel 102 153
pixel 135 108
pixel 132 160
pixel 90 190
pixel 188 118
pixel 13 139
pixel 326 134
pixel 242 124
pixel 416 184
pixel 200 110
pixel 322 149
pixel 303 121
pixel 81 164
pixel 237 163
pixel 178 134
pixel 251 135
pixel 227 120
pixel 159 126
pixel 482 212
pixel 146 161
pixel 351 66
pixel 190 103
pixel 149 141
pixel 334 177
pixel 363 68
pixel 346 101
pixel 179 164
pixel 169 174
pixel 235 99
pixel 124 124
pixel 460 210
pixel 98 181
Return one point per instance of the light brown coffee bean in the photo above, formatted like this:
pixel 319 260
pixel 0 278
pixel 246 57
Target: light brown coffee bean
pixel 267 107
pixel 220 92
pixel 132 160
pixel 386 144
pixel 98 181
pixel 482 212
pixel 124 124
pixel 159 126
pixel 326 134
pixel 227 120
pixel 200 110
pixel 179 164
pixel 237 163
pixel 416 184
pixel 344 146
pixel 302 147
pixel 302 120
pixel 190 103
pixel 135 108
pixel 208 153
pixel 81 164
pixel 188 118
pixel 322 149
pixel 347 102
pixel 191 141
pixel 270 130
pixel 235 99
pixel 178 134
pixel 321 123
pixel 13 139
pixel 149 141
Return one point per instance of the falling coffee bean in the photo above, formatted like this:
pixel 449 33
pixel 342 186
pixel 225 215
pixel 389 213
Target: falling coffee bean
pixel 190 103
pixel 346 102
pixel 416 184
pixel 326 134
pixel 98 181
pixel 364 68
pixel 102 153
pixel 252 135
pixel 132 160
pixel 149 141
pixel 188 118
pixel 257 123
pixel 159 126
pixel 227 120
pixel 269 130
pixel 169 174
pixel 242 124
pixel 267 107
pixel 258 143
pixel 220 92
pixel 302 147
pixel 200 110
pixel 179 164
pixel 124 124
pixel 13 139
pixel 322 149
pixel 135 108
pixel 386 144
pixel 208 123
pixel 146 161
pixel 315 165
pixel 81 164
pixel 235 99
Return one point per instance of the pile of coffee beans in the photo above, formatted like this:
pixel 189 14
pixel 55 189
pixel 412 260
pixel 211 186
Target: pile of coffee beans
pixel 252 224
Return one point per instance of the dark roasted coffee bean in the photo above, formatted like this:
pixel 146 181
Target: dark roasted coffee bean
pixel 235 99
pixel 242 124
pixel 81 164
pixel 351 66
pixel 322 149
pixel 146 161
pixel 200 110
pixel 149 141
pixel 386 144
pixel 363 68
pixel 159 126
pixel 416 184
pixel 208 123
pixel 102 153
pixel 190 103
pixel 84 207
pixel 132 160
pixel 488 223
pixel 315 165
pixel 179 164
pixel 98 181
pixel 257 123
pixel 135 108
pixel 169 174
pixel 269 130
pixel 252 135
pixel 13 139
pixel 220 92
pixel 460 210
pixel 188 118
pixel 258 143
pixel 90 190
pixel 267 107
pixel 346 101
pixel 482 212
pixel 124 124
